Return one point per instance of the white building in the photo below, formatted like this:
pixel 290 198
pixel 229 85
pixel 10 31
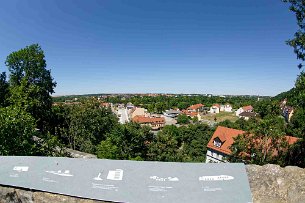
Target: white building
pixel 244 109
pixel 171 113
pixel 215 108
pixel 226 108
pixel 139 112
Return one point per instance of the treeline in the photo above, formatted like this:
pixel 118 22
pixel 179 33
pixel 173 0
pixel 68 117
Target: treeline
pixel 159 104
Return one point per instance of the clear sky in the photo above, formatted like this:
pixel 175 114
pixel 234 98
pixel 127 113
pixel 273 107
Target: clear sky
pixel 161 46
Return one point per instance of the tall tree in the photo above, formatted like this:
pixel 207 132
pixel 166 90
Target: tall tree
pixel 86 125
pixel 298 42
pixel 3 89
pixel 31 84
pixel 194 141
pixel 297 153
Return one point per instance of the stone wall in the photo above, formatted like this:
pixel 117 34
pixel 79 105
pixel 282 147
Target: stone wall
pixel 269 184
pixel 273 184
pixel 15 195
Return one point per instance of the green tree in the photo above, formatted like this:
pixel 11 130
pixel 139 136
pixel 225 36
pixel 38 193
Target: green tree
pixel 160 107
pixel 107 150
pixel 265 143
pixel 48 145
pixel 298 42
pixel 194 141
pixel 151 108
pixel 183 119
pixel 267 107
pixel 195 119
pixel 17 129
pixel 164 148
pixel 3 90
pixel 31 84
pixel 87 125
pixel 295 155
pixel 183 105
pixel 129 141
pixel 297 127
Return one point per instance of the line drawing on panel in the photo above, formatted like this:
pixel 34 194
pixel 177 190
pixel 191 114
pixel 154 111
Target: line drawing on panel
pixel 116 174
pixel 104 186
pixel 14 175
pixel 48 180
pixel 98 177
pixel 210 189
pixel 172 179
pixel 60 173
pixel 21 168
pixel 216 178
pixel 158 188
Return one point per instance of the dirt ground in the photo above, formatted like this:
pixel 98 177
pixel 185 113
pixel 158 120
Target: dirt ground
pixel 220 116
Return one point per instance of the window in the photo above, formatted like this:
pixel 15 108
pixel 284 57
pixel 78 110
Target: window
pixel 217 143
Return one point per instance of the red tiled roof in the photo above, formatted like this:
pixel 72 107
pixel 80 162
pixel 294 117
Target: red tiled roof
pixel 143 119
pixel 105 104
pixel 191 114
pixel 291 140
pixel 248 108
pixel 195 106
pixel 217 105
pixel 227 135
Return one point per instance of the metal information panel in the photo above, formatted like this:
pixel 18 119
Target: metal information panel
pixel 128 181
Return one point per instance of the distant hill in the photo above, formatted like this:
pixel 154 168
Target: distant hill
pixel 290 95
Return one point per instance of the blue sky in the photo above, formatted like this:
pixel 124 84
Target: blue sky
pixel 161 46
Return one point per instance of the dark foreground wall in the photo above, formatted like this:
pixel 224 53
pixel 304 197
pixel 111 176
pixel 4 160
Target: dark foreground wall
pixel 269 184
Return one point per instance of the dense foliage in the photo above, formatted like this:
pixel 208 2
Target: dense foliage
pixel 16 130
pixel 262 143
pixel 86 125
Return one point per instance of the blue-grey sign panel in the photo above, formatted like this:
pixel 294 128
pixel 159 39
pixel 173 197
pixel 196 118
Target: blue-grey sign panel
pixel 129 181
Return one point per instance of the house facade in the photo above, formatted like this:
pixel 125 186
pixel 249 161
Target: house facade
pixel 195 108
pixel 218 148
pixel 247 115
pixel 191 114
pixel 215 108
pixel 138 112
pixel 171 113
pixel 154 122
pixel 226 108
pixel 244 109
pixel 129 106
pixel 287 111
